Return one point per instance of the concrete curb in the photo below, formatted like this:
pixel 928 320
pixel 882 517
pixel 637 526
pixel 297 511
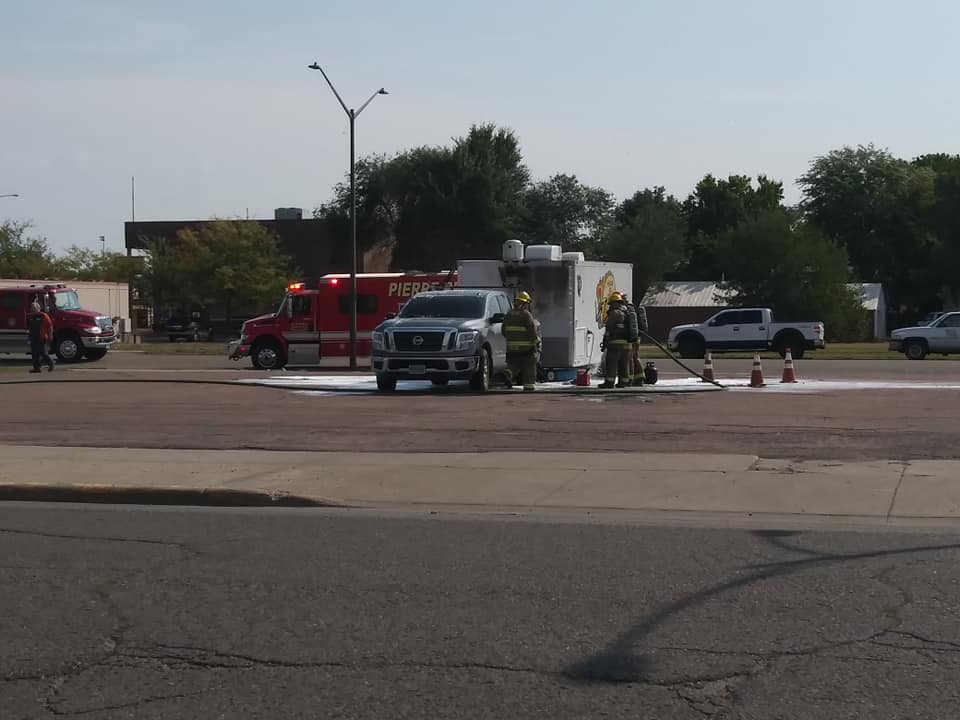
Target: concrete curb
pixel 130 495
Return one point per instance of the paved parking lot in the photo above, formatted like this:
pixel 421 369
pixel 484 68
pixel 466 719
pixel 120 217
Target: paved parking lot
pixel 846 425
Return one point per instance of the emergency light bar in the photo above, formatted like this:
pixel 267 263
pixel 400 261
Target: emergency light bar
pixel 295 286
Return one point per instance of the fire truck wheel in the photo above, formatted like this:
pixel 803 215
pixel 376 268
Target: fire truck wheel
pixel 480 382
pixel 267 356
pixel 68 348
pixel 386 384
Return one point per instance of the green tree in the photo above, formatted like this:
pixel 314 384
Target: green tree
pixel 162 281
pixel 24 257
pixel 436 205
pixel 716 206
pixel 649 232
pixel 777 260
pixel 944 222
pixel 877 207
pixel 85 264
pixel 564 211
pixel 231 264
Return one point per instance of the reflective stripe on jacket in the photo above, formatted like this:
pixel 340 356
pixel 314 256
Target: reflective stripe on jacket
pixel 520 332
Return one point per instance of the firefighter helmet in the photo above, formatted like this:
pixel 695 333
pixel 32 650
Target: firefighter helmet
pixel 615 297
pixel 524 297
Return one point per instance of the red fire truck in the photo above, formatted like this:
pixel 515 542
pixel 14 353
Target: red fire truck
pixel 312 324
pixel 77 333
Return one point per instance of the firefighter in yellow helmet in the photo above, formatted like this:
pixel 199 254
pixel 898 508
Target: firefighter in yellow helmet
pixel 616 343
pixel 523 341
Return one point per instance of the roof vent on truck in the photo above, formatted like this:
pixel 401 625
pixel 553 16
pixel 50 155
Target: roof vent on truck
pixel 548 253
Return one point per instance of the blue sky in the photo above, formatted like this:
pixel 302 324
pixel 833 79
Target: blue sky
pixel 210 105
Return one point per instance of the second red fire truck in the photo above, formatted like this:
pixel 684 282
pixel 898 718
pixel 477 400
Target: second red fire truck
pixel 314 323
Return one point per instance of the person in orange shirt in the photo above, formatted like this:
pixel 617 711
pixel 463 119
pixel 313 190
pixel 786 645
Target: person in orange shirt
pixel 40 327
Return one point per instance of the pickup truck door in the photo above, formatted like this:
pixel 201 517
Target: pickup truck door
pixel 751 333
pixel 498 345
pixel 300 330
pixel 945 336
pixel 718 332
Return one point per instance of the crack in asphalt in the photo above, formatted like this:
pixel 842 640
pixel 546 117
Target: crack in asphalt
pixel 122 625
pixel 57 536
pixel 140 702
pixel 896 490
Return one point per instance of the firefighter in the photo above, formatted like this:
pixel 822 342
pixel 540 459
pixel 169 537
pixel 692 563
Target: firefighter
pixel 616 343
pixel 41 331
pixel 523 341
pixel 634 366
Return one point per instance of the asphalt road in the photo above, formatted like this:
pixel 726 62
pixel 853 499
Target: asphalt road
pixel 161 613
pixel 851 425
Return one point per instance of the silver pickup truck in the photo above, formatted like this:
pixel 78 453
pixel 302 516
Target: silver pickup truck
pixel 942 337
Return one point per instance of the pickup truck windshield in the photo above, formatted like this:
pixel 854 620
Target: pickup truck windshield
pixel 444 306
pixel 66 300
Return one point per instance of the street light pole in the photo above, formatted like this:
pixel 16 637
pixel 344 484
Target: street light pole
pixel 352 116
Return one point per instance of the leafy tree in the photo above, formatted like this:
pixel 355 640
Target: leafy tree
pixel 227 263
pixel 86 264
pixel 564 211
pixel 161 279
pixel 24 257
pixel 944 222
pixel 877 207
pixel 437 204
pixel 649 232
pixel 780 261
pixel 717 206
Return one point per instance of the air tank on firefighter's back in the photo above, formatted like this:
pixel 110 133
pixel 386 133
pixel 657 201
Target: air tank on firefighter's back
pixel 513 251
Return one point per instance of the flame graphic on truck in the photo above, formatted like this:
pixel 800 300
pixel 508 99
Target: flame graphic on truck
pixel 605 287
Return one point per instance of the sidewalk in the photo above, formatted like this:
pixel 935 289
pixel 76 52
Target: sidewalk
pixel 642 482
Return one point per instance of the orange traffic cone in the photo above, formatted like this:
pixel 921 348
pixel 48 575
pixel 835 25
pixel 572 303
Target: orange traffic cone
pixel 707 368
pixel 756 377
pixel 789 376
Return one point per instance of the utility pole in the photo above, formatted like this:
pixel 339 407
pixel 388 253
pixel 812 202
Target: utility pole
pixel 352 116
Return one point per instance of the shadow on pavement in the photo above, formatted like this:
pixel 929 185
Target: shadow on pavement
pixel 619 662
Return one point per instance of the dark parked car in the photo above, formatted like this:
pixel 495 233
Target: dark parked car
pixel 190 328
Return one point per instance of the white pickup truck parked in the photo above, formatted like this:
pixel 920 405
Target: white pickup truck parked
pixel 745 329
pixel 941 336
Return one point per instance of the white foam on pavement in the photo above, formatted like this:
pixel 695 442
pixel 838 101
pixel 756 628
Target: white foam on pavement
pixel 825 386
pixel 362 384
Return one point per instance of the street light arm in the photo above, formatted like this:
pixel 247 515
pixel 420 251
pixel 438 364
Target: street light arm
pixel 316 66
pixel 381 91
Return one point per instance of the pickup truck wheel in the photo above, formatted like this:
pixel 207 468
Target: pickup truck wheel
pixel 267 356
pixel 794 342
pixel 692 347
pixel 915 350
pixel 386 384
pixel 480 382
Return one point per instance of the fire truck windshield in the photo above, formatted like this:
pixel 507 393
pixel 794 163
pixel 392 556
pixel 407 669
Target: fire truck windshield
pixel 444 306
pixel 66 300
